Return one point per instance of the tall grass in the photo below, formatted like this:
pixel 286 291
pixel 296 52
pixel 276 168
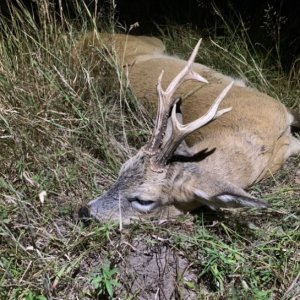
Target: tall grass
pixel 234 53
pixel 64 133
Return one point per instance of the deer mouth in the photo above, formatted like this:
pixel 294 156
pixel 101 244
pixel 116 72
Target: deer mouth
pixel 143 206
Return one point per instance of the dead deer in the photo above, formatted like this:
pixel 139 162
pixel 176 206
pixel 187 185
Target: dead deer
pixel 205 150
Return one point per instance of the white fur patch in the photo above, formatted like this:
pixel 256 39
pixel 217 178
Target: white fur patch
pixel 239 82
pixel 201 194
pixel 143 208
pixel 227 198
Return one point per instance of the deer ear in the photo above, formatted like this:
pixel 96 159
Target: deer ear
pixel 229 200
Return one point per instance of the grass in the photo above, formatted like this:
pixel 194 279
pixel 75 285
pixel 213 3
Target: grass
pixel 64 132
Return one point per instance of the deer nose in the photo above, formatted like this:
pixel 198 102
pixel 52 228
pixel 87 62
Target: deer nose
pixel 84 215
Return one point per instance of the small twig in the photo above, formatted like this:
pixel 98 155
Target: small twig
pixel 29 265
pixel 292 285
pixel 128 244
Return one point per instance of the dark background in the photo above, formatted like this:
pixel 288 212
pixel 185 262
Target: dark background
pixel 260 17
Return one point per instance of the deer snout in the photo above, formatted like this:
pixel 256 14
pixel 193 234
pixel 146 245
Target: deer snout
pixel 101 208
pixel 109 208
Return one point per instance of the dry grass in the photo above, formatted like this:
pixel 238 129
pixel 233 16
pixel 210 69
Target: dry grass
pixel 64 131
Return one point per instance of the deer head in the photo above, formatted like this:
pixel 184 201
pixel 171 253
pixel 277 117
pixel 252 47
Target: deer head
pixel 165 172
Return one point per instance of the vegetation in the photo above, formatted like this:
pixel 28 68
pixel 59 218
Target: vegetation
pixel 65 129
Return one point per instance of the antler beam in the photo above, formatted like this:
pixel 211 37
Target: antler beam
pixel 180 131
pixel 166 100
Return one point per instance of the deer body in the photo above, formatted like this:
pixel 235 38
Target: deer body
pixel 247 137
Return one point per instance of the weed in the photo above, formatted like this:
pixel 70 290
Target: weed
pixel 104 283
pixel 32 296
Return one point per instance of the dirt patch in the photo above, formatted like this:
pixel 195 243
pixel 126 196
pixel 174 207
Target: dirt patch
pixel 157 272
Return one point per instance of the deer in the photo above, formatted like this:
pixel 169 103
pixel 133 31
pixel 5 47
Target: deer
pixel 206 149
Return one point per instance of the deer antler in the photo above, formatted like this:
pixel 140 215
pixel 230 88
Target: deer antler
pixel 180 131
pixel 166 100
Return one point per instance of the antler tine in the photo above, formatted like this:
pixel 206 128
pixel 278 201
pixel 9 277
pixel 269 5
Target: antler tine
pixel 185 74
pixel 166 99
pixel 180 131
pixel 211 114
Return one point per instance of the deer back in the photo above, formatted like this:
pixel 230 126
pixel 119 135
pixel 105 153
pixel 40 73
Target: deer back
pixel 126 48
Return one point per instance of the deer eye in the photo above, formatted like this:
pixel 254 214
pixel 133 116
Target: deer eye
pixel 144 206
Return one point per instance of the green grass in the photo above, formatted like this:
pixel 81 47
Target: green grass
pixel 65 130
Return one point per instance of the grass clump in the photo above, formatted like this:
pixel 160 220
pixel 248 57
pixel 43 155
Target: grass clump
pixel 228 48
pixel 64 132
